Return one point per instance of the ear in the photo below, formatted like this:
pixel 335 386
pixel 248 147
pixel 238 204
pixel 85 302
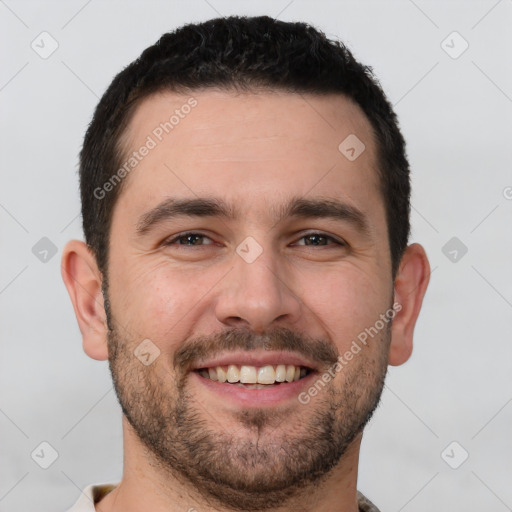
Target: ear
pixel 410 286
pixel 83 282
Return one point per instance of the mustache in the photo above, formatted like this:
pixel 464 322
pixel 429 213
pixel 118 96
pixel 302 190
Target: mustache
pixel 319 351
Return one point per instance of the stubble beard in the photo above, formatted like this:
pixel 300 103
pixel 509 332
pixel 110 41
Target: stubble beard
pixel 270 457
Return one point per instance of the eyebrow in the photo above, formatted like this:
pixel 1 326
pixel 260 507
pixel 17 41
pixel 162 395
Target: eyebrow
pixel 297 207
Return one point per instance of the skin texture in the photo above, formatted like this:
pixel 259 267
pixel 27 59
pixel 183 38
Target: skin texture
pixel 185 446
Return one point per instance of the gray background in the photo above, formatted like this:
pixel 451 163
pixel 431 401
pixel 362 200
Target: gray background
pixel 455 114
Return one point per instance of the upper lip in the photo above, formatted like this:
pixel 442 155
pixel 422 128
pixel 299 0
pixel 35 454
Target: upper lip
pixel 255 358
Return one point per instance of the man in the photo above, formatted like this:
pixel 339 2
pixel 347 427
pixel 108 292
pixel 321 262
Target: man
pixel 247 273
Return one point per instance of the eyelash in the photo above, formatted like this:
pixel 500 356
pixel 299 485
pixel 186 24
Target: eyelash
pixel 195 233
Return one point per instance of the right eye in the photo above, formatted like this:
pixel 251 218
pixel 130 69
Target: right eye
pixel 190 238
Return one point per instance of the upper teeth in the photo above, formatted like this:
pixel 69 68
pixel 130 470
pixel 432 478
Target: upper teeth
pixel 255 375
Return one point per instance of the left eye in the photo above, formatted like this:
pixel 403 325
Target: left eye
pixel 192 239
pixel 317 238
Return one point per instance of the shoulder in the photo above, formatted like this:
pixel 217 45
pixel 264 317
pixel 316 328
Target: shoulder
pixel 91 495
pixel 365 505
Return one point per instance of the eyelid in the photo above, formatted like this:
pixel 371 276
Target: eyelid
pixel 335 239
pixel 175 238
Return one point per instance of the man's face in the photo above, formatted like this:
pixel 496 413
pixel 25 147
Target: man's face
pixel 262 286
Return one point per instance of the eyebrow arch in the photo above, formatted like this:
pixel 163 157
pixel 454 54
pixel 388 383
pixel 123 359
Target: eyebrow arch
pixel 297 207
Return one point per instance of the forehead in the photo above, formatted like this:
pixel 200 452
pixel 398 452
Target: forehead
pixel 236 121
pixel 257 148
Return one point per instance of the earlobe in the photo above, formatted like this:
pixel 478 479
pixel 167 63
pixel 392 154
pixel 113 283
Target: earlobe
pixel 410 286
pixel 83 281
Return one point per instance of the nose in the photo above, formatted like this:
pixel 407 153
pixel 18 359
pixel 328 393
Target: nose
pixel 259 294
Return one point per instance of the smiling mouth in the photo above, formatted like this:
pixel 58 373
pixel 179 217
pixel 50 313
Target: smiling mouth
pixel 253 376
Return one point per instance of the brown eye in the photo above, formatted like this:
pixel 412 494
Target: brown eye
pixel 189 239
pixel 320 240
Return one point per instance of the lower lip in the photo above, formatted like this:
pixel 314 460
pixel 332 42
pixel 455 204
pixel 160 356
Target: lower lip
pixel 252 397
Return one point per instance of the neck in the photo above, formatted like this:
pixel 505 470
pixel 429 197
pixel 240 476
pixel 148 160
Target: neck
pixel 145 485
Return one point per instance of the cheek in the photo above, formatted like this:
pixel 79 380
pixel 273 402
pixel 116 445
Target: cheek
pixel 347 303
pixel 160 301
